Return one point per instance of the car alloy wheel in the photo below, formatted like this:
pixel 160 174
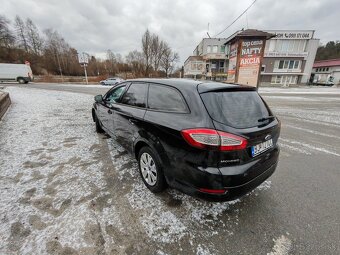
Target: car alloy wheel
pixel 148 169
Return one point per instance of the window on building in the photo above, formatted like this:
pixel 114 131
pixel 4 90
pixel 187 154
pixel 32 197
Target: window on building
pixel 302 45
pixel 284 79
pixel 291 64
pixel 290 45
pixel 213 65
pixel 263 68
pixel 327 69
pixel 215 49
pixel 193 65
pixel 221 69
pixel 278 79
pixel 222 49
pixel 281 64
pixel 209 49
pixel 287 64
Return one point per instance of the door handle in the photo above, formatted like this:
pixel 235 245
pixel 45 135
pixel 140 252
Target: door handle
pixel 109 112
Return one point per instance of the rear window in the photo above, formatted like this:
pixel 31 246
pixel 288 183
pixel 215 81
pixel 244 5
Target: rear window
pixel 238 109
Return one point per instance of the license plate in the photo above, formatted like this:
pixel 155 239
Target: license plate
pixel 261 147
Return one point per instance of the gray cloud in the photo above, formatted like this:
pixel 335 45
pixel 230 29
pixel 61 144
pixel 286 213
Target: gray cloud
pixel 95 26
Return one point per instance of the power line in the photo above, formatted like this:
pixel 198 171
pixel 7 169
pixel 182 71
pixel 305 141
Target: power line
pixel 237 18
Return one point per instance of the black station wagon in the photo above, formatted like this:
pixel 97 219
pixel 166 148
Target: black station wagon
pixel 214 140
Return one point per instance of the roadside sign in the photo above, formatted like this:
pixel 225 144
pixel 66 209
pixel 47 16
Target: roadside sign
pixel 83 58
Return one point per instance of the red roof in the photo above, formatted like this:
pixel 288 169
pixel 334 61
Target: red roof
pixel 327 63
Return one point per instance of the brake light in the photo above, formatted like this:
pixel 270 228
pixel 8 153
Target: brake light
pixel 212 139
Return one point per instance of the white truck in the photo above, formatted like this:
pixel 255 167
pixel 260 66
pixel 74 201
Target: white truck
pixel 21 73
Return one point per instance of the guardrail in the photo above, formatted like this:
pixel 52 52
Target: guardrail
pixel 5 102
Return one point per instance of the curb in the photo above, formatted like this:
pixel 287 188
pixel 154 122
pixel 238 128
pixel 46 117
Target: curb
pixel 5 102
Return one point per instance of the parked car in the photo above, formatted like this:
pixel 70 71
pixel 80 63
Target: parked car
pixel 215 140
pixel 111 81
pixel 21 73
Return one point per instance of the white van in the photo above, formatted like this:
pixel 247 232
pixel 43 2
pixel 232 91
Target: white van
pixel 21 73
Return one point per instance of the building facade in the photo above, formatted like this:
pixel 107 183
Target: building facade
pixel 288 57
pixel 212 57
pixel 326 72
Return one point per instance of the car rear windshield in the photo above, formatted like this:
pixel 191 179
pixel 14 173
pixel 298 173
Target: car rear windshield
pixel 238 109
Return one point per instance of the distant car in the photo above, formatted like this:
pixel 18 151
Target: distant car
pixel 218 141
pixel 111 81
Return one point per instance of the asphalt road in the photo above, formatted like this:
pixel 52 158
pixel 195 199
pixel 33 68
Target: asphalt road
pixel 297 211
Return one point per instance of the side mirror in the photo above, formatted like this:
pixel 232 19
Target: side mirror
pixel 98 98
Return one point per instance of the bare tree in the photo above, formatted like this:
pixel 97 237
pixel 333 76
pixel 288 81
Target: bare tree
pixel 168 60
pixel 135 60
pixel 60 50
pixel 33 37
pixel 21 33
pixel 111 59
pixel 6 36
pixel 147 51
pixel 158 47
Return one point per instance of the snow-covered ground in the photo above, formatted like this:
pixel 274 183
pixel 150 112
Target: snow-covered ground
pixel 64 189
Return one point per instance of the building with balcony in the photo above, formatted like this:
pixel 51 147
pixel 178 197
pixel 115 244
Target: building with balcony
pixel 288 57
pixel 209 60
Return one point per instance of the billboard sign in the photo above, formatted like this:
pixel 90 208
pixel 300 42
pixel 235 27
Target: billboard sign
pixel 251 54
pixel 232 63
pixel 296 35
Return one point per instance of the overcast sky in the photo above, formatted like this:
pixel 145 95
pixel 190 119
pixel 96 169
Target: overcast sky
pixel 95 26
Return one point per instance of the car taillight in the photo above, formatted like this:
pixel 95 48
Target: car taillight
pixel 209 139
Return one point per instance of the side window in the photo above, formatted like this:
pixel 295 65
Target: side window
pixel 114 94
pixel 164 98
pixel 136 95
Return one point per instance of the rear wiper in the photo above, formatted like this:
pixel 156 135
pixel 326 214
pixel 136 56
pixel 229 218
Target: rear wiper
pixel 266 118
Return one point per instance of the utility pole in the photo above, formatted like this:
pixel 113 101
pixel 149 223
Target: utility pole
pixel 61 72
pixel 87 82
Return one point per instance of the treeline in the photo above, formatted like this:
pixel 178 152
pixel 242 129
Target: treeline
pixel 50 54
pixel 329 51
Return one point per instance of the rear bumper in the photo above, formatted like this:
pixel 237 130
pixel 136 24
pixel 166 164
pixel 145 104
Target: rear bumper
pixel 231 193
pixel 239 191
pixel 236 181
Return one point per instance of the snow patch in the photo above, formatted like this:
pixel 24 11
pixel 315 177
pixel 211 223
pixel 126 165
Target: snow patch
pixel 201 250
pixel 163 226
pixel 282 246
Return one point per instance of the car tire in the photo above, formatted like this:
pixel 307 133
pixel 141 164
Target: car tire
pixel 99 128
pixel 21 80
pixel 151 170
